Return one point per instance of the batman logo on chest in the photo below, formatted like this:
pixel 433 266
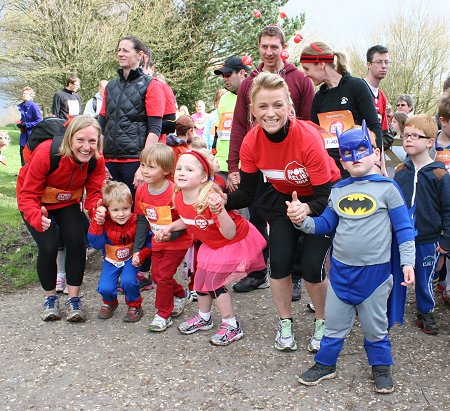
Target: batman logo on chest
pixel 357 204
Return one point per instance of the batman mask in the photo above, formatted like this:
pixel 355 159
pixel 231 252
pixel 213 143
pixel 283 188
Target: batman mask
pixel 355 144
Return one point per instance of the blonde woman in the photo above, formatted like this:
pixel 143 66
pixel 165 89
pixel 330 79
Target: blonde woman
pixel 46 199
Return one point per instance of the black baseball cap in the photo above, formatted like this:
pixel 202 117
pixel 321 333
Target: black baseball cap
pixel 231 64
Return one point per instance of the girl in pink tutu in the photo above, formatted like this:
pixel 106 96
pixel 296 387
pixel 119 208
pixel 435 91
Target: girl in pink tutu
pixel 231 246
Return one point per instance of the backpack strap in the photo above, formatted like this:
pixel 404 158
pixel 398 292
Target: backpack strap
pixel 94 104
pixel 55 157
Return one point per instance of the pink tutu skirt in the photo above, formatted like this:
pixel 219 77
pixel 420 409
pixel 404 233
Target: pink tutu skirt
pixel 229 263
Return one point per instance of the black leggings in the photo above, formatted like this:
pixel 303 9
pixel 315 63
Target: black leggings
pixel 283 242
pixel 124 172
pixel 71 226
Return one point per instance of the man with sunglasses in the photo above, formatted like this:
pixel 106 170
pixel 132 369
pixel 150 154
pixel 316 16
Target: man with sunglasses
pixel 378 64
pixel 233 73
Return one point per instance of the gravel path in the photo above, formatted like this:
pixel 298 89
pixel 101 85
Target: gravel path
pixel 116 366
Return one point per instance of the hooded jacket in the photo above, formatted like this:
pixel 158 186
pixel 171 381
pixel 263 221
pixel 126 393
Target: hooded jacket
pixel 30 115
pixel 302 94
pixel 428 200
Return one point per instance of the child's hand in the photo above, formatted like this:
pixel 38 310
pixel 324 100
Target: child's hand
pixel 216 203
pixel 296 210
pixel 162 235
pixel 408 273
pixel 441 250
pixel 45 221
pixel 100 213
pixel 135 260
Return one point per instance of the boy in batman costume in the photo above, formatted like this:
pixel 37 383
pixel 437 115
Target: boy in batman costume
pixel 363 212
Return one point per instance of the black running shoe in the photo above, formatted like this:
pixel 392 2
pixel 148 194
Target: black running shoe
pixel 317 373
pixel 383 380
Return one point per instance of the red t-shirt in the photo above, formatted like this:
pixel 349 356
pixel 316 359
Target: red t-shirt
pixel 205 226
pixel 159 212
pixel 297 163
pixel 380 105
pixel 170 106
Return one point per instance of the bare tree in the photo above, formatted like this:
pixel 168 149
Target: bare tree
pixel 47 40
pixel 418 47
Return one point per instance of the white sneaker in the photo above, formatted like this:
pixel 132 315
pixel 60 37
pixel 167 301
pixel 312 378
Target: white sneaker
pixel 159 324
pixel 179 304
pixel 285 339
pixel 314 344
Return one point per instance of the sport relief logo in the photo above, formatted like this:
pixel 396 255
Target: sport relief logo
pixel 336 126
pixel 201 222
pixel 151 214
pixel 227 123
pixel 64 196
pixel 428 261
pixel 122 253
pixel 295 173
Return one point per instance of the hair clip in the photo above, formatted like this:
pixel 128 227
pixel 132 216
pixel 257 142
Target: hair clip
pixel 316 48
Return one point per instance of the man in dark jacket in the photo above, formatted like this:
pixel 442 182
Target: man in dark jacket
pixel 67 102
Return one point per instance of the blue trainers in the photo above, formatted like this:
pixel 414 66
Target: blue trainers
pixel 75 311
pixel 51 308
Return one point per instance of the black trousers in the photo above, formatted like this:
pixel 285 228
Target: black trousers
pixel 72 228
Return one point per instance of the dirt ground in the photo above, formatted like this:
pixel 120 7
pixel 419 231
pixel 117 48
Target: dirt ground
pixel 116 366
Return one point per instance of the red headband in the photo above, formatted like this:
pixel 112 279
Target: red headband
pixel 204 162
pixel 324 58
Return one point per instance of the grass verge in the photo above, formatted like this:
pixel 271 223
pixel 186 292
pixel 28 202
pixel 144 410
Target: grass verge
pixel 18 250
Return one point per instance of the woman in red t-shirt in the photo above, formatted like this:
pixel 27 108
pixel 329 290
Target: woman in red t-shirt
pixel 292 156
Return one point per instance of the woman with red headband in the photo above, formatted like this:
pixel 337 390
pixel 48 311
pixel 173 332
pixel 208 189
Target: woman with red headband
pixel 48 198
pixel 339 95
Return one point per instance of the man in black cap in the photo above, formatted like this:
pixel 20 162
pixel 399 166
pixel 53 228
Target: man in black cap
pixel 233 73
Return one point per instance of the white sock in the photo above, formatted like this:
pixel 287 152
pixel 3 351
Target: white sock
pixel 205 316
pixel 232 321
pixel 61 263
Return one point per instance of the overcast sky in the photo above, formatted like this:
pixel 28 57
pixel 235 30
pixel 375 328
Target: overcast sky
pixel 343 22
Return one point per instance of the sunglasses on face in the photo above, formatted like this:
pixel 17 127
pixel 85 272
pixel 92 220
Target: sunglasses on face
pixel 227 75
pixel 401 105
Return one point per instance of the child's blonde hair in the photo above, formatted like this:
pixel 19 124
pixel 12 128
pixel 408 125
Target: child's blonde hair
pixel 423 122
pixel 197 143
pixel 209 186
pixel 159 154
pixel 116 191
pixel 207 153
